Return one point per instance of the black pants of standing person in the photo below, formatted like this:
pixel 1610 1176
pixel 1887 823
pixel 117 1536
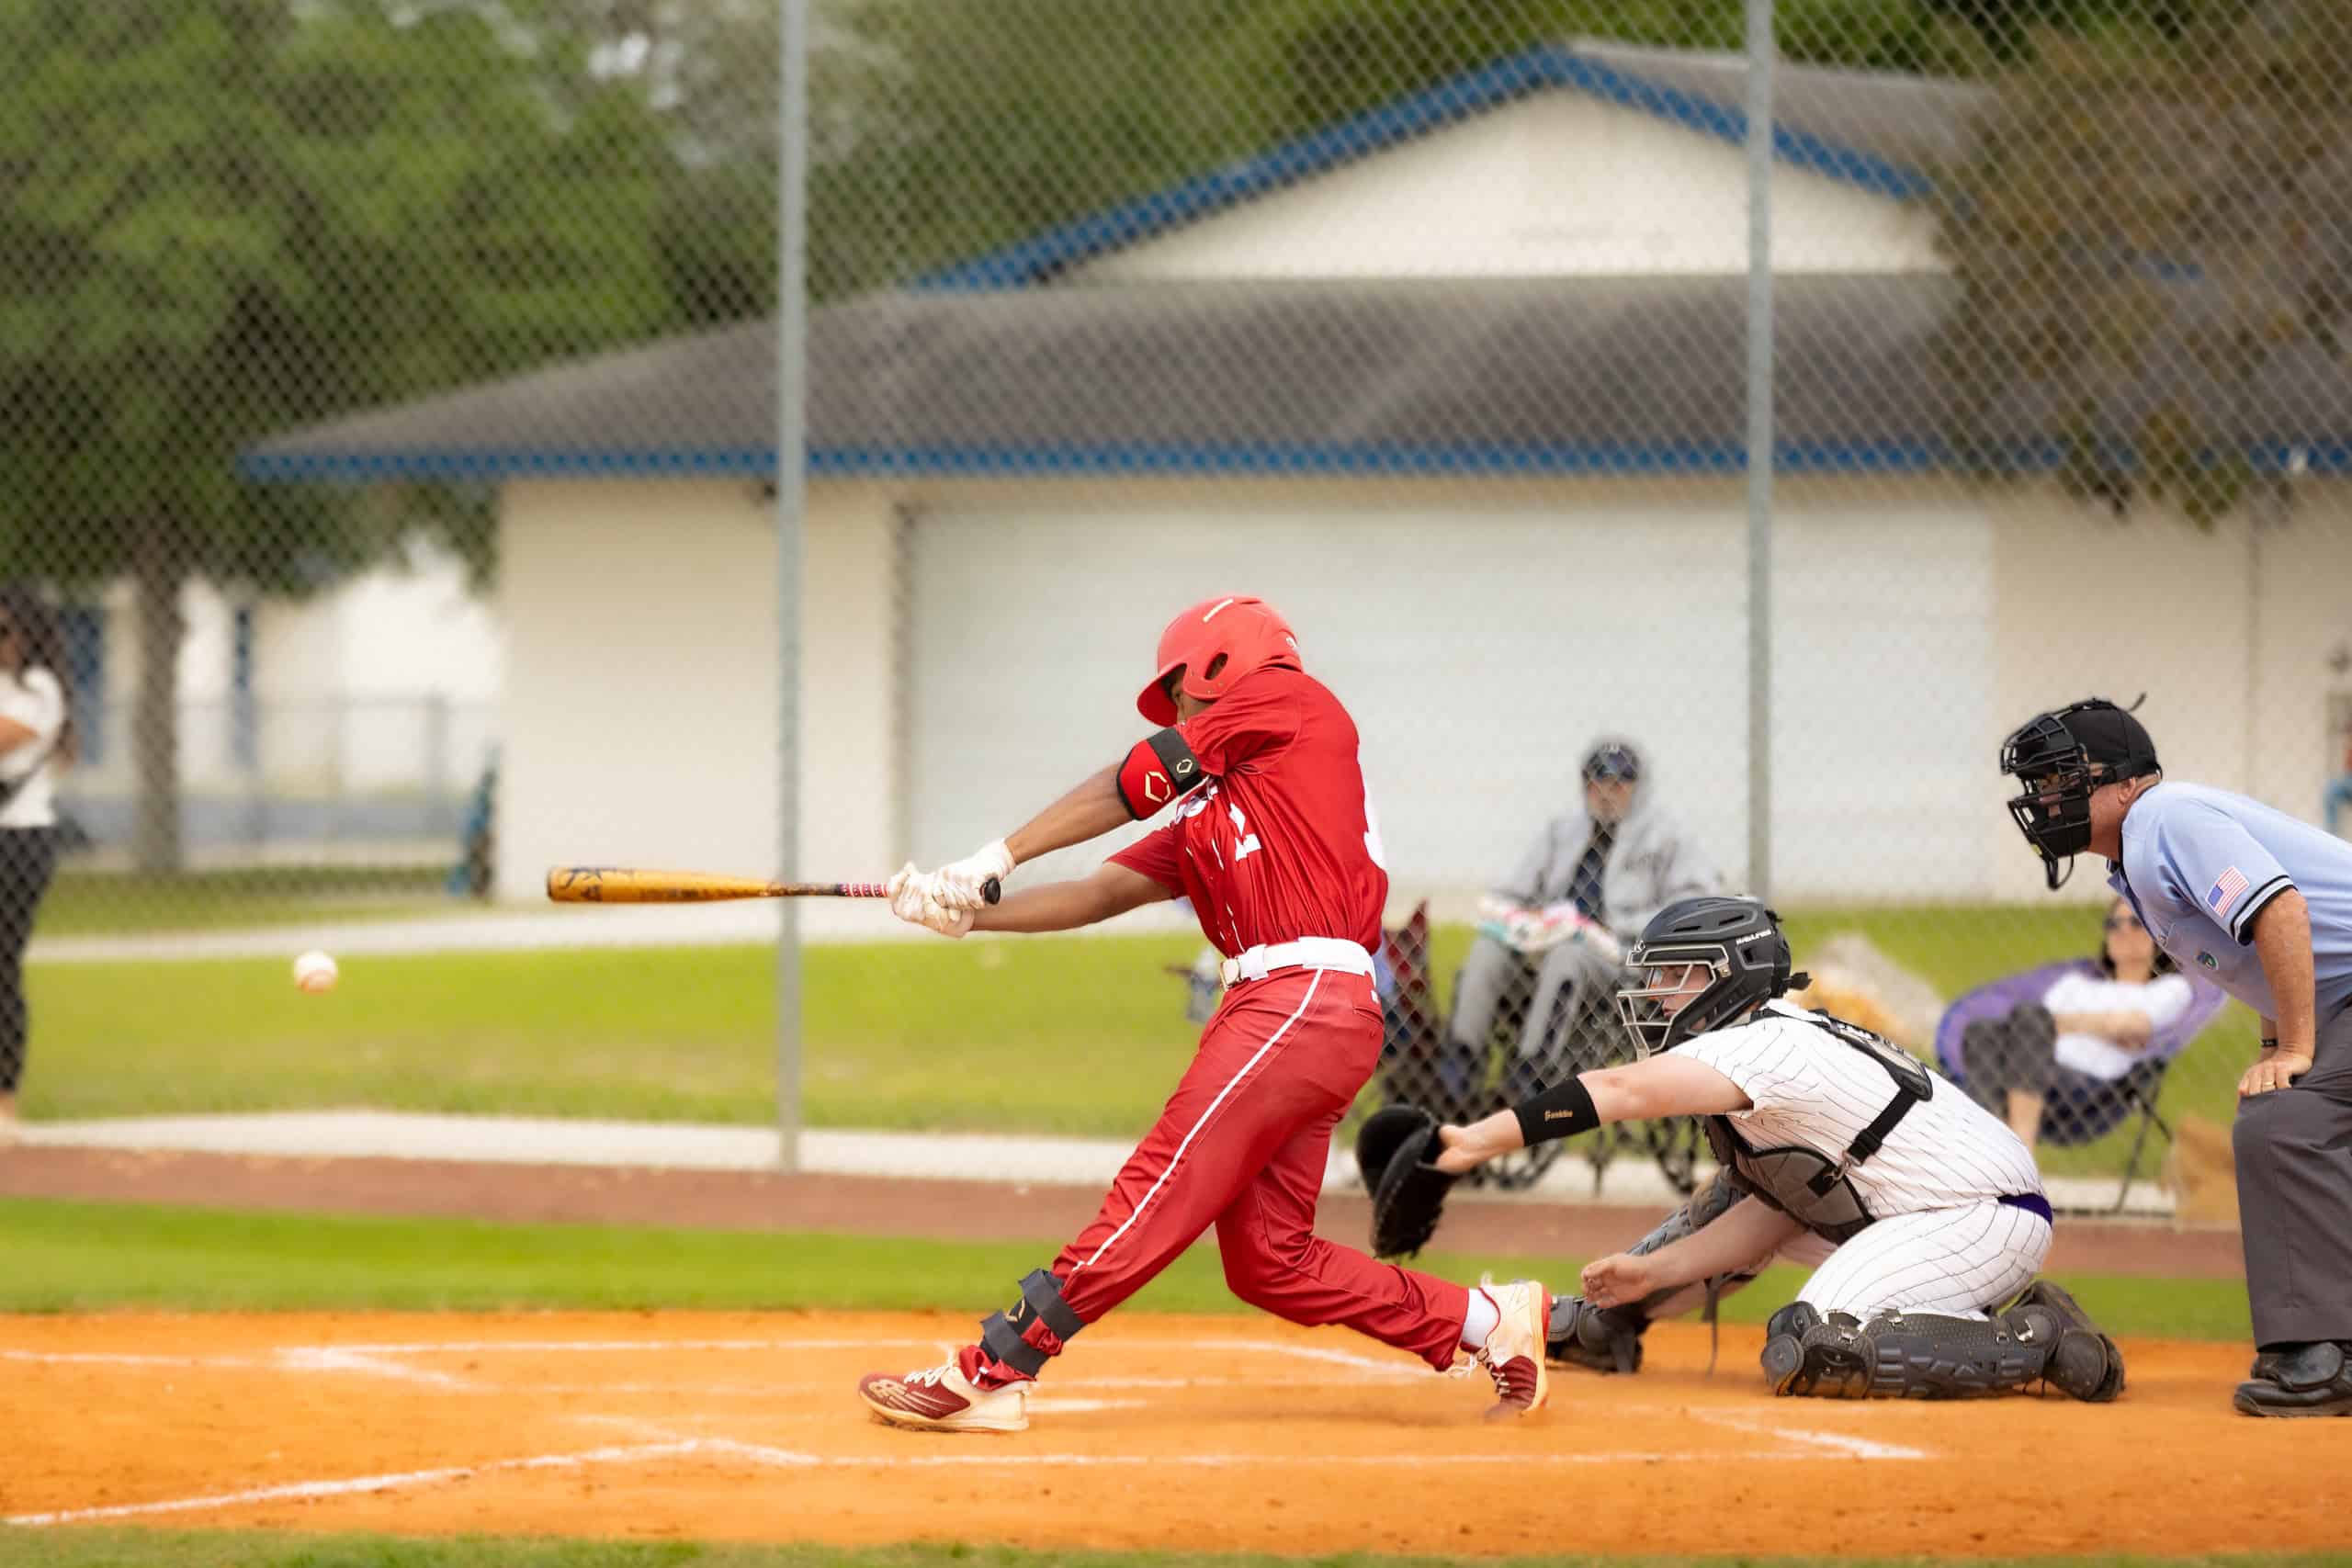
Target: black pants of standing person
pixel 27 857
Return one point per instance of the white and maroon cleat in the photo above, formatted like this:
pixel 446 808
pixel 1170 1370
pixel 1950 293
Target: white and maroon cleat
pixel 945 1399
pixel 1513 1354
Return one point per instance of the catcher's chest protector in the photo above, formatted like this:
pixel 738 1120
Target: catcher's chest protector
pixel 1801 1182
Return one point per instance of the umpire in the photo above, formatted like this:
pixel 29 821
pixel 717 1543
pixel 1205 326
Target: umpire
pixel 2262 905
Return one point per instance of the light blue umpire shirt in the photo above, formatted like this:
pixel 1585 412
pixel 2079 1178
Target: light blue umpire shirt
pixel 2200 864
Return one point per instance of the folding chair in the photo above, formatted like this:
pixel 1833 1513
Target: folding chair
pixel 2075 1118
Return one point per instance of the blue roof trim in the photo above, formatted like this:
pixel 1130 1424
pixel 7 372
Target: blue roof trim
pixel 427 464
pixel 1542 68
pixel 1486 459
pixel 1802 148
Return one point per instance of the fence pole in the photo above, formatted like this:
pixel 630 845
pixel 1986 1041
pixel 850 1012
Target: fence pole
pixel 791 478
pixel 1760 448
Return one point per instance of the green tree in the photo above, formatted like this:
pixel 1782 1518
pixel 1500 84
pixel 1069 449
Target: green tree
pixel 2141 236
pixel 221 217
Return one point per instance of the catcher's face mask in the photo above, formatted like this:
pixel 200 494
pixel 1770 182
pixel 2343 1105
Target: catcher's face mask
pixel 1664 984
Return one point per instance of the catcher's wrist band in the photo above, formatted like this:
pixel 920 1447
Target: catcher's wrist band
pixel 1560 1112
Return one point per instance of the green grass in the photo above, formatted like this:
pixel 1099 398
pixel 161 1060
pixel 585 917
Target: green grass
pixel 1055 1034
pixel 71 1257
pixel 122 903
pixel 1074 1035
pixel 249 1549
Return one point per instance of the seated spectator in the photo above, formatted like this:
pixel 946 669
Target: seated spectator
pixel 2091 1027
pixel 1546 960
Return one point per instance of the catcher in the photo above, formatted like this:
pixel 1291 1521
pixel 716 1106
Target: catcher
pixel 1922 1213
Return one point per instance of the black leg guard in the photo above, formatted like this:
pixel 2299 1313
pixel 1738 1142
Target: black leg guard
pixel 2083 1362
pixel 1035 1329
pixel 1919 1356
pixel 2045 1337
pixel 1608 1340
pixel 1605 1339
pixel 1805 1353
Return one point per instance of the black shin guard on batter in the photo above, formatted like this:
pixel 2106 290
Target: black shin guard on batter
pixel 1033 1331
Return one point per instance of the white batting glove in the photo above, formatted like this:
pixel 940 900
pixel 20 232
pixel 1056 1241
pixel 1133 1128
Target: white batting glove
pixel 914 898
pixel 960 881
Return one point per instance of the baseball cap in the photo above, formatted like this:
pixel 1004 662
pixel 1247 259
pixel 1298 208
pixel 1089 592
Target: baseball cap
pixel 1614 760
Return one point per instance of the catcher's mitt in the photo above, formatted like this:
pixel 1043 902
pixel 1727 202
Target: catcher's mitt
pixel 1383 1134
pixel 1408 1193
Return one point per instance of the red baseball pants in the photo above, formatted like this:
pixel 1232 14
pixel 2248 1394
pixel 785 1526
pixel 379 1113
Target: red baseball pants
pixel 1242 1146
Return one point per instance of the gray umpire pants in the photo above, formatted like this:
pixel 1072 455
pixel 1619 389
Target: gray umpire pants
pixel 1494 972
pixel 2294 1161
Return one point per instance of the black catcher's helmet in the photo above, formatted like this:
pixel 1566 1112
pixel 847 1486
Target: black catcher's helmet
pixel 2061 757
pixel 1740 944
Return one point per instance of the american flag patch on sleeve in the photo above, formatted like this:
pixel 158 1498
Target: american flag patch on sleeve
pixel 2225 891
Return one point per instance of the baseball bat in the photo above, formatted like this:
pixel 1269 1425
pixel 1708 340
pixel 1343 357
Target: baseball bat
pixel 633 885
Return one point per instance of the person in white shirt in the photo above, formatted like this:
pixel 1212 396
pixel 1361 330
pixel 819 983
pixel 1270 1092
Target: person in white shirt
pixel 2087 1031
pixel 36 740
pixel 1923 1215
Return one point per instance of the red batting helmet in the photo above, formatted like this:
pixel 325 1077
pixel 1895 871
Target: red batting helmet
pixel 1215 643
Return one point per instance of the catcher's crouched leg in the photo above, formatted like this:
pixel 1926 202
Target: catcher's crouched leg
pixel 1604 1340
pixel 1608 1340
pixel 2043 1336
pixel 1805 1353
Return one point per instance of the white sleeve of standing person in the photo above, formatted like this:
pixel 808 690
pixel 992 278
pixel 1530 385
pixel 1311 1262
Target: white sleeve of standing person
pixel 37 701
pixel 2164 999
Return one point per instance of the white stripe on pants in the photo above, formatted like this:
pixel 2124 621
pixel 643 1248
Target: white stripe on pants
pixel 1953 1262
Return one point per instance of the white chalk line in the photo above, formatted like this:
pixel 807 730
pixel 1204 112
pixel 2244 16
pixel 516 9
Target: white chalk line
pixel 765 1455
pixel 1835 1442
pixel 305 1490
pixel 369 1360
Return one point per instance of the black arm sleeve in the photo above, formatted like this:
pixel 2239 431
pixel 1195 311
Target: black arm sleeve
pixel 1560 1112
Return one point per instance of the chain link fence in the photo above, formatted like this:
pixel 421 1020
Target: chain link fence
pixel 394 397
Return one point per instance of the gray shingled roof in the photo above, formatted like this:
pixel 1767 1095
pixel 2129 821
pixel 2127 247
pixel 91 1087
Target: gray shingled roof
pixel 1455 376
pixel 1915 121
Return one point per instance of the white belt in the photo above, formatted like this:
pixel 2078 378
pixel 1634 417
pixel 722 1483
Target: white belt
pixel 1306 952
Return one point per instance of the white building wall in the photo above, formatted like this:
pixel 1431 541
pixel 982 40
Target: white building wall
pixel 2225 633
pixel 1482 635
pixel 384 682
pixel 638 720
pixel 1482 632
pixel 1560 185
pixel 387 681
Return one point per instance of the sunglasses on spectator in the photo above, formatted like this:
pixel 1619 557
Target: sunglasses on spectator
pixel 2124 924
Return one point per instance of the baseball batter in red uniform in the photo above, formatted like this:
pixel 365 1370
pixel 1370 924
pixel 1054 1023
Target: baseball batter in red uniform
pixel 1274 840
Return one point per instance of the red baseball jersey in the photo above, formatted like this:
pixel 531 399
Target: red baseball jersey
pixel 1281 842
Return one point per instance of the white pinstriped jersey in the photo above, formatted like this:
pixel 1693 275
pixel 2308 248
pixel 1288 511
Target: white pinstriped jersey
pixel 1810 1088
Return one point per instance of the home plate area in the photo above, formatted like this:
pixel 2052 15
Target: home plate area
pixel 1151 1432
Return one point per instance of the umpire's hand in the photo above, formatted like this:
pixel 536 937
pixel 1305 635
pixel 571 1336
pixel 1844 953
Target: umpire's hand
pixel 2273 1070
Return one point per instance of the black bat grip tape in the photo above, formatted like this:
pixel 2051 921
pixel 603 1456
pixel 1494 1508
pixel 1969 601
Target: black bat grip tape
pixel 991 890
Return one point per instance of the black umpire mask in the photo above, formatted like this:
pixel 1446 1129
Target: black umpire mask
pixel 2061 758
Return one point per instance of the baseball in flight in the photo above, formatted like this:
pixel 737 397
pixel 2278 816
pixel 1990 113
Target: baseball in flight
pixel 315 972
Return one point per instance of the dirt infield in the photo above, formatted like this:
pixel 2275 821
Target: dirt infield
pixel 1153 1432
